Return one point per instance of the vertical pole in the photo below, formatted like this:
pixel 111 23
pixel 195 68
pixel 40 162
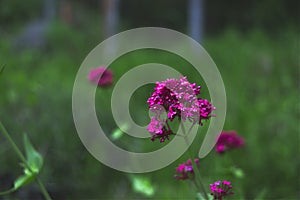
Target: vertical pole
pixel 195 19
pixel 111 17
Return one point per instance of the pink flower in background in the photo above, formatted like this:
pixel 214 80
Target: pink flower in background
pixel 185 170
pixel 101 76
pixel 220 189
pixel 229 140
pixel 178 98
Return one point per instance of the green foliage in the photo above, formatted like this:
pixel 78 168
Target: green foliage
pixel 260 75
pixel 199 196
pixel 118 132
pixel 34 158
pixel 237 172
pixel 142 185
pixel 23 180
pixel 11 11
pixel 261 195
pixel 32 167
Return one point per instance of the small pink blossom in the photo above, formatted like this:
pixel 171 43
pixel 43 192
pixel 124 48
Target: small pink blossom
pixel 220 189
pixel 159 130
pixel 185 170
pixel 101 76
pixel 229 140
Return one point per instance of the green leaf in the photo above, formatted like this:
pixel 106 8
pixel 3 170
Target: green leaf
pixel 237 172
pixel 34 162
pixel 200 196
pixel 23 180
pixel 118 132
pixel 33 165
pixel 143 186
pixel 34 158
pixel 261 195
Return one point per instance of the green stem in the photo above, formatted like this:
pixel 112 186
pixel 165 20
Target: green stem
pixel 13 144
pixel 22 158
pixel 201 188
pixel 196 184
pixel 43 189
pixel 7 191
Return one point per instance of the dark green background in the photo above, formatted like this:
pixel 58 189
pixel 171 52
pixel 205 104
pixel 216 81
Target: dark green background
pixel 256 48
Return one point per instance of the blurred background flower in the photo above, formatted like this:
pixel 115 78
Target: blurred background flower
pixel 101 76
pixel 229 140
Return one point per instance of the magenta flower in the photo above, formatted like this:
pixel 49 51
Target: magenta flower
pixel 220 189
pixel 185 170
pixel 179 99
pixel 158 130
pixel 228 140
pixel 101 76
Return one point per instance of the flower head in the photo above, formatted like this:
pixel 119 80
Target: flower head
pixel 220 189
pixel 185 170
pixel 229 140
pixel 179 99
pixel 101 76
pixel 158 130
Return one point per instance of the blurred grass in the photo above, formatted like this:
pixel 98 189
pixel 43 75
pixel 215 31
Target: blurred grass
pixel 261 76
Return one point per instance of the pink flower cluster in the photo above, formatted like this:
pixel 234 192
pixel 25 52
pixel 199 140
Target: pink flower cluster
pixel 220 189
pixel 185 170
pixel 228 140
pixel 179 99
pixel 101 76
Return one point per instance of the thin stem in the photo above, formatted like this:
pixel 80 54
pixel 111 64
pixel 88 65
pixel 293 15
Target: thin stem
pixel 201 188
pixel 179 135
pixel 13 144
pixel 43 189
pixel 183 129
pixel 191 128
pixel 22 158
pixel 201 184
pixel 196 184
pixel 7 191
pixel 168 125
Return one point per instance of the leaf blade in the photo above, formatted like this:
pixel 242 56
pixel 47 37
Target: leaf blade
pixel 34 158
pixel 143 186
pixel 23 180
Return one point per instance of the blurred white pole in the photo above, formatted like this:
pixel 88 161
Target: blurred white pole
pixel 111 22
pixel 195 19
pixel 111 17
